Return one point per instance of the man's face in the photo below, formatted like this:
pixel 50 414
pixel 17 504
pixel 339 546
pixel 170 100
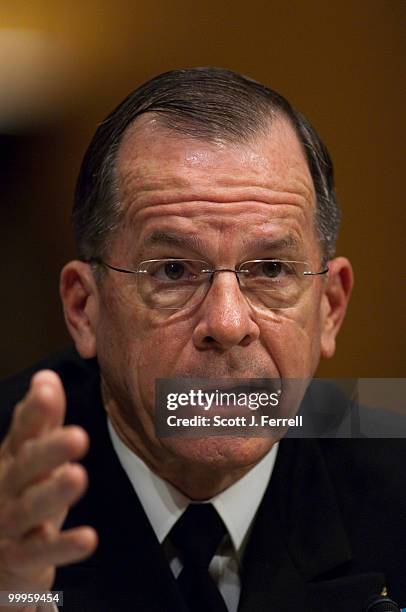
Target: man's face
pixel 228 204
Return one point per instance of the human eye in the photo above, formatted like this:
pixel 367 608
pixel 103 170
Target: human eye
pixel 172 270
pixel 272 269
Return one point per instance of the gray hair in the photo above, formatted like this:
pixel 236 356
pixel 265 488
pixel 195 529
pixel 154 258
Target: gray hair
pixel 203 103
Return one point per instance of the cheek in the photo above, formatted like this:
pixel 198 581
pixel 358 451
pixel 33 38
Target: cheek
pixel 117 348
pixel 293 340
pixel 136 346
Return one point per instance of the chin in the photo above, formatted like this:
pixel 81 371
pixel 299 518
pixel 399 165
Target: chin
pixel 219 452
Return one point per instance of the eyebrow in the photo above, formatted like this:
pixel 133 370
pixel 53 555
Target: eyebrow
pixel 264 243
pixel 170 239
pixel 287 242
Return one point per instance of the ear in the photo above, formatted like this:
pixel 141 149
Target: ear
pixel 334 302
pixel 80 298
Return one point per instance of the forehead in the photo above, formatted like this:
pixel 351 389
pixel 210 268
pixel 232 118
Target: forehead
pixel 163 175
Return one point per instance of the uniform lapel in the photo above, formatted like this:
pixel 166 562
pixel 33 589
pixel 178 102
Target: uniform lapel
pixel 299 555
pixel 128 570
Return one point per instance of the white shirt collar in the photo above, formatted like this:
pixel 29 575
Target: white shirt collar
pixel 164 504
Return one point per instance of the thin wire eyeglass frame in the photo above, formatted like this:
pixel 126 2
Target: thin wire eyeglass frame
pixel 209 271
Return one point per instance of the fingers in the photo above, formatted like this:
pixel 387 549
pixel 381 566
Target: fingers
pixel 43 501
pixel 42 409
pixel 49 547
pixel 68 546
pixel 39 456
pixel 38 485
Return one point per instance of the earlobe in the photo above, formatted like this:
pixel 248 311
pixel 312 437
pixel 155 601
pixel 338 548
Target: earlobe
pixel 79 294
pixel 334 303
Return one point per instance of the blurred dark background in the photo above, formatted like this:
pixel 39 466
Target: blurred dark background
pixel 65 65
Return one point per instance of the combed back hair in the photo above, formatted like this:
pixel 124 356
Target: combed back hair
pixel 209 104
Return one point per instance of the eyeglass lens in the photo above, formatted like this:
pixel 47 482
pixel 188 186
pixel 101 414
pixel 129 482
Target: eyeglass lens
pixel 177 283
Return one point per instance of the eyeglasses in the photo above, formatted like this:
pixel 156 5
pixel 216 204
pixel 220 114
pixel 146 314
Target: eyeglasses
pixel 174 284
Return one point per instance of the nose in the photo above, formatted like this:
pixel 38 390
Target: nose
pixel 225 317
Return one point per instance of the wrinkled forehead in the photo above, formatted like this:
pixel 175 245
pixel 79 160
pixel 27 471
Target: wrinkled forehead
pixel 170 181
pixel 154 159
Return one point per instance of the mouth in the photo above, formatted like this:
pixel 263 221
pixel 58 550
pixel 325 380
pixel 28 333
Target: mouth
pixel 240 385
pixel 199 406
pixel 230 397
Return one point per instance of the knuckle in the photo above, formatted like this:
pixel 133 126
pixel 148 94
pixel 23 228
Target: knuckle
pixel 47 534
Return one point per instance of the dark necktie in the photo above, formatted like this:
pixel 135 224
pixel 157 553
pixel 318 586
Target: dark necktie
pixel 197 535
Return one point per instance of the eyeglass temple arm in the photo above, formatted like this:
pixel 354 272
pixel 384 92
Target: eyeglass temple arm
pixel 98 260
pixel 306 273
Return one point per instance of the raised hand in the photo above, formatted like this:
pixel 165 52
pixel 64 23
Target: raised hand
pixel 38 484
